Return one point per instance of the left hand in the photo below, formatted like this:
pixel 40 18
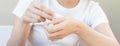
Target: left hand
pixel 63 27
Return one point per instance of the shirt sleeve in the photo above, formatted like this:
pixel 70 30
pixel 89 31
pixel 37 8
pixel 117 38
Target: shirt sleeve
pixel 97 16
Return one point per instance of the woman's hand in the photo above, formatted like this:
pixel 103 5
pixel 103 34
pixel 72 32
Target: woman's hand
pixel 37 12
pixel 63 27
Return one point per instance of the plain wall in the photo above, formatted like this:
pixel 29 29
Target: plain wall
pixel 6 7
pixel 111 7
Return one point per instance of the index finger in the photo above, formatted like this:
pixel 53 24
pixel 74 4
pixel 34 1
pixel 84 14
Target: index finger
pixel 43 8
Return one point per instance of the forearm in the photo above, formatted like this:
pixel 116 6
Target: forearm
pixel 20 33
pixel 94 38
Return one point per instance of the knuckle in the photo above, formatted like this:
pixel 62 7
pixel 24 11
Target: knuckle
pixel 42 7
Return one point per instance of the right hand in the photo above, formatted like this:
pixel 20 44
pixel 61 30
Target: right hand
pixel 37 12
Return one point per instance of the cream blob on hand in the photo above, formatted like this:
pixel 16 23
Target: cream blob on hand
pixel 50 25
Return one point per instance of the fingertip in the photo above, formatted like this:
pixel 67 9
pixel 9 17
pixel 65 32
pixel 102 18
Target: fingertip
pixel 50 12
pixel 45 24
pixel 39 20
pixel 53 21
pixel 50 17
pixel 43 19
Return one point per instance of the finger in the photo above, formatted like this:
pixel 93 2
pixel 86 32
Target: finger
pixel 57 28
pixel 56 36
pixel 57 20
pixel 43 8
pixel 46 26
pixel 29 20
pixel 44 15
pixel 40 13
pixel 34 10
pixel 41 19
pixel 49 27
pixel 34 16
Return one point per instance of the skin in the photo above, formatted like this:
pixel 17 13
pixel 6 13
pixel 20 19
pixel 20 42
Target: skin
pixel 100 36
pixel 68 3
pixel 35 13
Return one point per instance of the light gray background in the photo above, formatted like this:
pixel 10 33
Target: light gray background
pixel 111 7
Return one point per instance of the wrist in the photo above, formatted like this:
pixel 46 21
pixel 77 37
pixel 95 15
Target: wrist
pixel 19 22
pixel 23 21
pixel 81 28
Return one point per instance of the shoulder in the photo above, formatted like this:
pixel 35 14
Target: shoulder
pixel 93 6
pixel 93 9
pixel 95 14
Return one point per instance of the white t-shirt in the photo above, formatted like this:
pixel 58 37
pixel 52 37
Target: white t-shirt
pixel 86 11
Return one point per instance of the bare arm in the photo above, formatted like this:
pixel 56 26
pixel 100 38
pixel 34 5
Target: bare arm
pixel 35 13
pixel 101 36
pixel 20 33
